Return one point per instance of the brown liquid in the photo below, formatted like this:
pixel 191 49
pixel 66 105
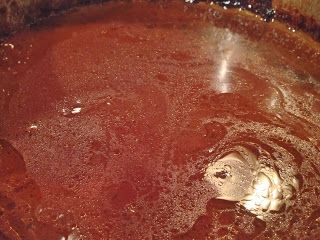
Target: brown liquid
pixel 110 116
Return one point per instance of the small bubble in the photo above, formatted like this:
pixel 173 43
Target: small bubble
pixel 33 126
pixel 76 110
pixel 9 45
pixel 72 111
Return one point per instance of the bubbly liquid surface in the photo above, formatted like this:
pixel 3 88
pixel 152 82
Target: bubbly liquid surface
pixel 159 121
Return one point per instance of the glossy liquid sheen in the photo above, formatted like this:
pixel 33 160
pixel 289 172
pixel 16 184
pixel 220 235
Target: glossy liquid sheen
pixel 159 121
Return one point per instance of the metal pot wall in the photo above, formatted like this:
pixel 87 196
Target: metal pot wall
pixel 303 14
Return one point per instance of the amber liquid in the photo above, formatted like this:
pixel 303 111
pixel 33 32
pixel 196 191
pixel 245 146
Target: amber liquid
pixel 111 114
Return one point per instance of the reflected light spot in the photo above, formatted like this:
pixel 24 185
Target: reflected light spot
pixel 259 189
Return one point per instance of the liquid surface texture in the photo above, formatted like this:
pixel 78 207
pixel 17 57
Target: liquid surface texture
pixel 159 121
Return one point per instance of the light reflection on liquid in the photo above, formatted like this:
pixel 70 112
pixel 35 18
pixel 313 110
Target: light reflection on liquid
pixel 221 82
pixel 258 188
pixel 74 235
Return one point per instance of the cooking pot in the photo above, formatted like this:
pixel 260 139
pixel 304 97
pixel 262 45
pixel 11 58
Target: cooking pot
pixel 159 119
pixel 301 14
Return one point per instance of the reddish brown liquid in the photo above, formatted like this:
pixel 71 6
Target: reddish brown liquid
pixel 110 114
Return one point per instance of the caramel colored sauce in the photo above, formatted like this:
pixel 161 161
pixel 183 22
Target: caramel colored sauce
pixel 128 120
